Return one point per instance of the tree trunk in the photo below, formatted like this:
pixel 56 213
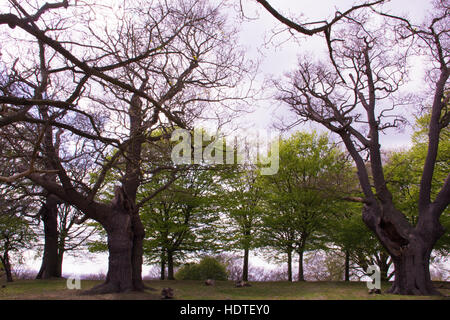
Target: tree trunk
pixel 245 266
pixel 347 266
pixel 412 273
pixel 163 265
pixel 410 249
pixel 170 275
pixel 118 226
pixel 120 245
pixel 301 276
pixel 7 266
pixel 60 262
pixel 49 216
pixel 289 263
pixel 137 251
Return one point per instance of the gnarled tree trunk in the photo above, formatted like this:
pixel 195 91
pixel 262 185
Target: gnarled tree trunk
pixel 119 230
pixel 410 249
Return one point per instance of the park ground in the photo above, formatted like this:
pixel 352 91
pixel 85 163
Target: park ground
pixel 223 290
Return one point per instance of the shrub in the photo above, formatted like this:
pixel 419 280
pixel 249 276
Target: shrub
pixel 208 268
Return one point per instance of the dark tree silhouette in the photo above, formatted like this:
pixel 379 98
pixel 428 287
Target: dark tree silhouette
pixel 359 108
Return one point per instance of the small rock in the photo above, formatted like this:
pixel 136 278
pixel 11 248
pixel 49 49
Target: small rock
pixel 241 283
pixel 167 293
pixel 210 282
pixel 374 291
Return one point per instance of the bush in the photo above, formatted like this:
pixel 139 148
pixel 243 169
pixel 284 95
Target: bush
pixel 208 268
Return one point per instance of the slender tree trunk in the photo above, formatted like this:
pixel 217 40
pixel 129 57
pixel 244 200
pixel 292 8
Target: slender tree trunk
pixel 347 266
pixel 163 266
pixel 301 276
pixel 170 275
pixel 289 263
pixel 7 267
pixel 60 262
pixel 49 216
pixel 245 266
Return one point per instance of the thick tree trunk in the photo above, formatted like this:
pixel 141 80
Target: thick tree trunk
pixel 412 273
pixel 49 216
pixel 170 275
pixel 120 246
pixel 410 249
pixel 301 276
pixel 245 266
pixel 347 266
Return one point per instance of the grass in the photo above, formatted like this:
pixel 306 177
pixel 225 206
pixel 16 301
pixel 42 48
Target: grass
pixel 196 290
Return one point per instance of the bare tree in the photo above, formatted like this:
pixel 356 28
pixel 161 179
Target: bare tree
pixel 364 105
pixel 124 86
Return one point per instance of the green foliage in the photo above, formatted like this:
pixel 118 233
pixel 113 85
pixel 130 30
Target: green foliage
pixel 16 235
pixel 240 198
pixel 207 268
pixel 182 218
pixel 303 193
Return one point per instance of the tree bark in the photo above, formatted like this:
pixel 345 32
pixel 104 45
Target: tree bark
pixel 7 266
pixel 347 266
pixel 289 263
pixel 163 266
pixel 301 276
pixel 170 275
pixel 120 246
pixel 60 262
pixel 49 216
pixel 245 266
pixel 137 251
pixel 410 252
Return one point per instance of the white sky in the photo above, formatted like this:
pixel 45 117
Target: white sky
pixel 275 62
pixel 283 58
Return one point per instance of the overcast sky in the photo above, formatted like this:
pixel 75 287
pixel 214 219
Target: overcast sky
pixel 281 56
pixel 276 60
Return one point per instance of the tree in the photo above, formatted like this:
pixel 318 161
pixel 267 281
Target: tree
pixel 359 245
pixel 16 235
pixel 357 110
pixel 118 89
pixel 182 219
pixel 240 200
pixel 300 195
pixel 72 236
pixel 403 174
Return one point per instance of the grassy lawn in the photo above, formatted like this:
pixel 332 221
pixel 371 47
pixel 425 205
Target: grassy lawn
pixel 196 290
